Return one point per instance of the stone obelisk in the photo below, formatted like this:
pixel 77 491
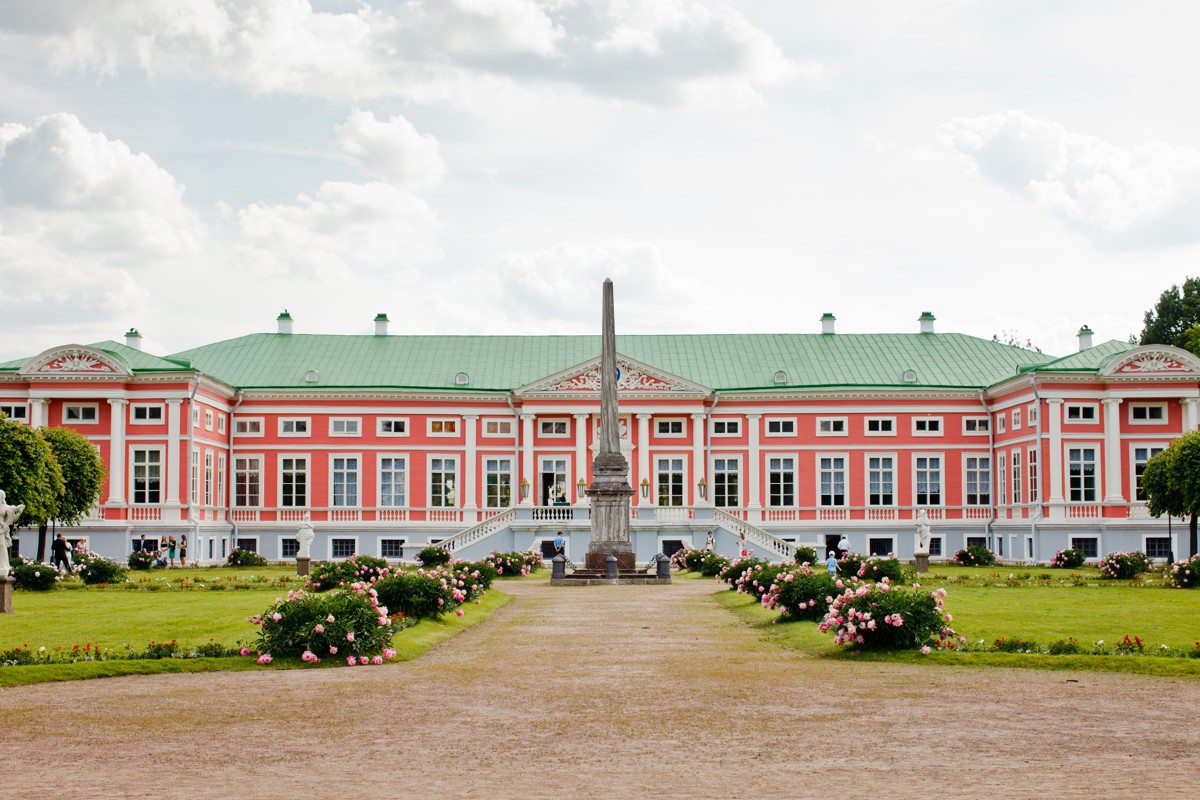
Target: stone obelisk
pixel 610 490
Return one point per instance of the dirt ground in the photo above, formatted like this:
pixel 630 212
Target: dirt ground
pixel 631 691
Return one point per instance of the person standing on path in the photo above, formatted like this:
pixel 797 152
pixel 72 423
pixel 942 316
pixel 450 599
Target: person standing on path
pixel 171 552
pixel 183 551
pixel 742 549
pixel 59 550
pixel 831 563
pixel 560 545
pixel 710 544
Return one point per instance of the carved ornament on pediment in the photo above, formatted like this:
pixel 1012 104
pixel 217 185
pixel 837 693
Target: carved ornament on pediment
pixel 1153 362
pixel 71 361
pixel 630 378
pixel 76 361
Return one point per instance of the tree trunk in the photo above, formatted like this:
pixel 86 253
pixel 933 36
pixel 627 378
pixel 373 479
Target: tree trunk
pixel 41 554
pixel 1192 537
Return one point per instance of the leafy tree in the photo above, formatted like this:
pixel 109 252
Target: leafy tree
pixel 1174 317
pixel 29 473
pixel 83 474
pixel 1014 339
pixel 1171 482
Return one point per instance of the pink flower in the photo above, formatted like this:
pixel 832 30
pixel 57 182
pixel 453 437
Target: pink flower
pixel 329 618
pixel 333 651
pixel 245 651
pixel 377 660
pixel 364 660
pixel 351 661
pixel 320 628
pixel 350 636
pixel 458 612
pixel 925 650
pixel 265 658
pixel 389 653
pixel 277 616
pixel 309 655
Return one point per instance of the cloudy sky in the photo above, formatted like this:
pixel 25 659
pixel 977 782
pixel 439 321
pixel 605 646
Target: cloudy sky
pixel 479 166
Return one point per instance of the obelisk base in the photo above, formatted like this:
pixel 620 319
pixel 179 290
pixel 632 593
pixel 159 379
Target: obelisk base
pixel 594 560
pixel 6 593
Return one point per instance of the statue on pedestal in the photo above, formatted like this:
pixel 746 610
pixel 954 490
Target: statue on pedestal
pixel 922 534
pixel 304 536
pixel 8 517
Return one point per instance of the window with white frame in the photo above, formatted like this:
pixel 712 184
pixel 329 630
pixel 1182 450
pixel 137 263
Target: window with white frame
pixel 393 481
pixel 1147 413
pixel 293 481
pixel 1001 478
pixel 831 426
pixel 727 427
pixel 1032 461
pixel 343 472
pixel 1081 412
pixel 294 426
pixel 1090 545
pixel 442 482
pixel 781 482
pixel 248 426
pixel 345 426
pixel 1142 454
pixel 497 482
pixel 497 427
pixel 392 426
pixel 1001 422
pixel 979 481
pixel 670 427
pixel 195 416
pixel 443 427
pixel 557 428
pixel 831 476
pixel 880 546
pixel 145 414
pixel 208 478
pixel 881 480
pixel 1157 546
pixel 219 492
pixel 147 476
pixel 208 419
pixel 248 543
pixel 391 548
pixel 195 495
pixel 927 426
pixel 670 481
pixel 975 426
pixel 247 481
pixel 1016 477
pixel 1032 416
pixel 781 426
pixel 880 426
pixel 342 548
pixel 726 486
pixel 81 413
pixel 289 547
pixel 928 480
pixel 1081 469
pixel 220 423
pixel 1016 418
pixel 15 412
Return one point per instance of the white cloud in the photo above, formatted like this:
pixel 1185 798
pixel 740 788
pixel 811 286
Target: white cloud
pixel 1145 197
pixel 392 150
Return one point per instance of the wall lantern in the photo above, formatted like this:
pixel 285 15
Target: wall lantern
pixel 582 487
pixel 524 484
pixel 702 487
pixel 645 487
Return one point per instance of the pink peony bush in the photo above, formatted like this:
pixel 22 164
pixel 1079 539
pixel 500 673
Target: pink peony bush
pixel 881 617
pixel 312 626
pixel 1185 575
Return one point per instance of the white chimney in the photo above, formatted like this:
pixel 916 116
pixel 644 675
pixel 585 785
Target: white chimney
pixel 1085 338
pixel 926 319
pixel 133 339
pixel 827 323
pixel 284 321
pixel 381 325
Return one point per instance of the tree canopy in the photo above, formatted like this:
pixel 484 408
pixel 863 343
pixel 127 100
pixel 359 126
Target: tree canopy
pixel 83 473
pixel 29 473
pixel 1171 482
pixel 1175 319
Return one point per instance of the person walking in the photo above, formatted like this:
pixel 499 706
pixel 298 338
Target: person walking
pixel 843 546
pixel 831 563
pixel 59 550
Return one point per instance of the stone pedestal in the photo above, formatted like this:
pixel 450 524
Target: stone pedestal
pixel 922 563
pixel 302 566
pixel 6 591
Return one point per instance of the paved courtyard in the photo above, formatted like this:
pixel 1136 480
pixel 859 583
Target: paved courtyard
pixel 605 692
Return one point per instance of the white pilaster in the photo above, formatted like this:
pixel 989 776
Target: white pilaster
pixel 470 456
pixel 1190 419
pixel 39 412
pixel 116 456
pixel 699 467
pixel 643 451
pixel 1112 451
pixel 581 464
pixel 753 467
pixel 1054 410
pixel 527 457
pixel 174 473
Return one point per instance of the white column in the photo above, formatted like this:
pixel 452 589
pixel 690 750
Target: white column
pixel 1190 420
pixel 643 450
pixel 116 456
pixel 699 467
pixel 527 457
pixel 173 471
pixel 39 412
pixel 753 465
pixel 1054 409
pixel 470 456
pixel 581 464
pixel 1112 451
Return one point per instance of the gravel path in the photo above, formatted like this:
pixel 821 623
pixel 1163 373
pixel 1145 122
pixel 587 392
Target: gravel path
pixel 624 691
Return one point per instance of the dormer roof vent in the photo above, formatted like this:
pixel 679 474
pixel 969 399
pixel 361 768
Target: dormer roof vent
pixel 284 322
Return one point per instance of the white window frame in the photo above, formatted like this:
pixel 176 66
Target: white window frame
pixel 670 422
pixel 510 472
pixel 162 475
pixel 287 537
pixel 346 423
pixel 786 425
pixel 990 488
pixel 358 480
pixel 979 430
pixel 194 476
pixel 210 478
pixel 503 427
pixel 10 410
pixel 134 408
pixel 341 537
pixel 1016 419
pixel 1146 547
pixel 379 426
pixel 684 476
pixel 401 539
pixel 1097 467
pixel 1095 411
pixel 247 423
pixel 891 537
pixel 221 423
pixel 208 419
pixel 1016 477
pixel 795 471
pixel 1032 488
pixel 547 425
pixel 833 426
pixel 379 496
pixel 1002 478
pixel 295 434
pixel 941 457
pixel 1147 407
pixel 456 459
pixel 937 422
pixel 261 459
pixel 845 470
pixel 712 489
pixel 1133 465
pixel 867 480
pixel 308 479
pixel 241 536
pixel 80 408
pixel 1031 415
pixel 431 422
pixel 1001 423
pixel 884 422
pixel 727 422
pixel 195 416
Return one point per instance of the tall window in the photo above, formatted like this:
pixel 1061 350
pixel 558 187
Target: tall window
pixel 881 477
pixel 195 476
pixel 345 480
pixel 208 478
pixel 293 477
pixel 442 472
pixel 221 493
pixel 979 481
pixel 1033 474
pixel 726 492
pixel 929 481
pixel 833 480
pixel 391 481
pixel 1001 478
pixel 670 481
pixel 1081 464
pixel 497 482
pixel 147 477
pixel 1140 456
pixel 247 478
pixel 781 482
pixel 1016 476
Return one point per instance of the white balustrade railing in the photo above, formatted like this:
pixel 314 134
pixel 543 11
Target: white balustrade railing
pixel 1083 511
pixel 674 513
pixel 481 531
pixel 755 534
pixel 145 512
pixel 555 513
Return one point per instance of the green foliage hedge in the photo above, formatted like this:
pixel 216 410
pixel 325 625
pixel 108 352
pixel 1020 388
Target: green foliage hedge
pixel 95 570
pixel 975 556
pixel 32 576
pixel 434 556
pixel 245 558
pixel 1071 558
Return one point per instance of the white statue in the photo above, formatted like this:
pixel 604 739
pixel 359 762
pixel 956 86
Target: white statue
pixel 8 517
pixel 304 536
pixel 922 534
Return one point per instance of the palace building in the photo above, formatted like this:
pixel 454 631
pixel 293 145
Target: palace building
pixel 390 443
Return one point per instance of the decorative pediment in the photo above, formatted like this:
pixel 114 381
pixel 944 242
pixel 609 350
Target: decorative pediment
pixel 74 361
pixel 1159 361
pixel 632 377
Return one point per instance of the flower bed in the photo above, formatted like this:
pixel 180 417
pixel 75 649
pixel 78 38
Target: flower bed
pixel 1071 558
pixel 141 559
pixel 97 570
pixel 245 558
pixel 1124 566
pixel 515 563
pixel 1184 574
pixel 758 579
pixel 877 569
pixel 975 556
pixel 434 556
pixel 879 617
pixel 801 593
pixel 349 624
pixel 32 576
pixel 329 574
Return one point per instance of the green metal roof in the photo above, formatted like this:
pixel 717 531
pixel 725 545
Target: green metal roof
pixel 1092 359
pixel 500 363
pixel 131 357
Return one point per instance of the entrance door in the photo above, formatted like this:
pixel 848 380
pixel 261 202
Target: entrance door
pixel 831 540
pixel 554 482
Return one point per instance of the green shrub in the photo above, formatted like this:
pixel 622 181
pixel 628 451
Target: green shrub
pixel 732 571
pixel 849 565
pixel 515 563
pixel 806 555
pixel 33 576
pixel 343 624
pixel 141 559
pixel 758 579
pixel 1069 647
pixel 712 564
pixel 694 558
pixel 327 575
pixel 1184 574
pixel 1071 558
pixel 245 558
pixel 975 556
pixel 1006 645
pixel 801 593
pixel 94 569
pixel 1124 566
pixel 876 569
pixel 418 594
pixel 434 556
pixel 878 617
pixel 483 573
